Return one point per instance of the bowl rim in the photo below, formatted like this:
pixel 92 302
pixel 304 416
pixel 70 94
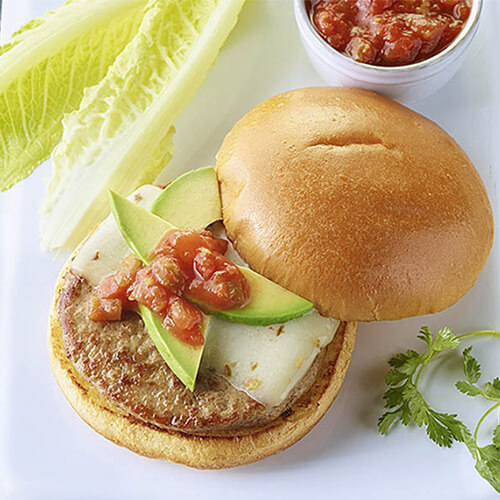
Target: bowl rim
pixel 468 31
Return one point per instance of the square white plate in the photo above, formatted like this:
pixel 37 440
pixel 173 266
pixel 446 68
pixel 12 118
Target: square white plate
pixel 48 452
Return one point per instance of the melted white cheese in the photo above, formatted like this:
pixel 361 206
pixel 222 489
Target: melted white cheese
pixel 105 249
pixel 266 362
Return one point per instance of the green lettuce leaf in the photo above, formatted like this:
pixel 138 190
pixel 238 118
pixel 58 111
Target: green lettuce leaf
pixel 121 136
pixel 44 69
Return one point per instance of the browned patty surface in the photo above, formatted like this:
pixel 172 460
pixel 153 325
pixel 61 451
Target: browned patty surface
pixel 121 361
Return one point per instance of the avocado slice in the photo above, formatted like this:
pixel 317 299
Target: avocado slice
pixel 198 187
pixel 182 359
pixel 269 303
pixel 142 231
pixel 140 228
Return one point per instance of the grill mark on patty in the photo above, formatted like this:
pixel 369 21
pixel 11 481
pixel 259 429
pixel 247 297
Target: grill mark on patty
pixel 122 363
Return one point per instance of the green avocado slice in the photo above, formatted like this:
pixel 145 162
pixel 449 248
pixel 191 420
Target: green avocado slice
pixel 182 359
pixel 198 188
pixel 142 231
pixel 140 228
pixel 269 303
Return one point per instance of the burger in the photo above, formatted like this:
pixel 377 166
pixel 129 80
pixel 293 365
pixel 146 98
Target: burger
pixel 212 323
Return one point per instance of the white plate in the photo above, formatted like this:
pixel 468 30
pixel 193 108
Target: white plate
pixel 46 449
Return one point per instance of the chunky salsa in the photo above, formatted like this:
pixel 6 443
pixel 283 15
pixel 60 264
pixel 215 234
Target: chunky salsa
pixel 186 266
pixel 389 32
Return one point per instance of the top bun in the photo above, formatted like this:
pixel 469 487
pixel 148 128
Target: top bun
pixel 353 201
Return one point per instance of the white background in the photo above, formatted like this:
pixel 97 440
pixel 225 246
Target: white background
pixel 48 452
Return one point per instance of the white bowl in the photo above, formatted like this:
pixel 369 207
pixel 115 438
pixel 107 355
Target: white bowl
pixel 408 83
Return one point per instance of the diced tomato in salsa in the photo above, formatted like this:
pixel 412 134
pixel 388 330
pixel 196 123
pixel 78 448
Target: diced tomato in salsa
pixel 186 265
pixel 148 291
pixel 116 286
pixel 389 32
pixel 184 319
pixel 167 271
pixel 217 281
pixel 186 243
pixel 104 309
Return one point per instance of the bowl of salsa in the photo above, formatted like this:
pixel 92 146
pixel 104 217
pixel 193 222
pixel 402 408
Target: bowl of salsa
pixel 406 49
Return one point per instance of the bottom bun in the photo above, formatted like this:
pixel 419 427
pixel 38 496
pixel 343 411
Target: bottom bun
pixel 202 452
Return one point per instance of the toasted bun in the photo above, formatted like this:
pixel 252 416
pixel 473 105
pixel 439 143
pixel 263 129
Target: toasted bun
pixel 353 201
pixel 195 451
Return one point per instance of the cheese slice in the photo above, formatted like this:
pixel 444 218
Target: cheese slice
pixel 266 362
pixel 105 249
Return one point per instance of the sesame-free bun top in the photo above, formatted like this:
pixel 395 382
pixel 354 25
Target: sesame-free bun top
pixel 355 202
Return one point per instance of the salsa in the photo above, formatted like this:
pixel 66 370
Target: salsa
pixel 389 32
pixel 186 266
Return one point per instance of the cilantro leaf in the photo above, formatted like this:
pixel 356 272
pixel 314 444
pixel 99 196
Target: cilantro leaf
pixel 400 359
pixel 387 419
pixel 418 407
pixel 492 389
pixel 445 339
pixel 426 335
pixel 393 397
pixel 395 377
pixel 488 465
pixel 457 429
pixel 406 363
pixel 472 368
pixel 444 428
pixel 467 388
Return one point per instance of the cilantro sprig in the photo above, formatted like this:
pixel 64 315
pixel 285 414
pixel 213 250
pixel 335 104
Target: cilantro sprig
pixel 406 404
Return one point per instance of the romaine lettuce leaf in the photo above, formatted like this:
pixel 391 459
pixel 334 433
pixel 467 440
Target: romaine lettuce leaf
pixel 44 69
pixel 121 136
